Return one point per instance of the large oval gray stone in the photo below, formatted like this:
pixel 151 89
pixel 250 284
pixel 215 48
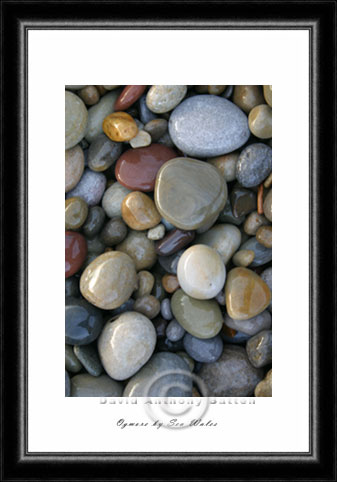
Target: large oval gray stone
pixel 208 125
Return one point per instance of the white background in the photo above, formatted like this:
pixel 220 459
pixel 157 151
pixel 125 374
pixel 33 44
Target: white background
pixel 276 57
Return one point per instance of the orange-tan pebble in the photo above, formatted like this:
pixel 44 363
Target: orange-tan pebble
pixel 74 167
pixel 226 165
pixel 120 127
pixel 139 212
pixel 170 283
pixel 267 92
pixel 244 257
pixel 247 294
pixel 253 221
pixel 260 121
pixel 76 212
pixel 89 95
pixel 145 284
pixel 247 96
pixel 264 236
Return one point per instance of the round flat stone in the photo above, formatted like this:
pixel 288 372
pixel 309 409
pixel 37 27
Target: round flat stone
pixel 201 272
pixel 85 385
pixel 224 238
pixel 259 349
pixel 109 280
pixel 232 375
pixel 125 345
pixel 74 167
pixel 254 164
pixel 247 294
pixel 165 375
pixel 83 322
pixel 90 188
pixel 97 113
pixel 103 153
pixel 208 125
pixel 204 351
pixel 137 168
pixel 252 325
pixel 75 252
pixel 196 185
pixel 200 318
pixel 76 119
pixel 163 98
pixel 139 212
pixel 140 249
pixel 113 198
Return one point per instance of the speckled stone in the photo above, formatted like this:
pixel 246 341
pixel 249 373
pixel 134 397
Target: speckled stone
pixel 267 206
pixel 85 385
pixel 72 363
pixel 226 165
pixel 205 351
pixel 252 325
pixel 264 236
pixel 98 112
pixel 201 272
pixel 165 375
pixel 174 331
pixel 200 318
pixel 126 344
pixel 260 121
pixel 109 280
pixel 266 275
pixel 94 221
pixel 114 232
pixel 259 349
pixel 103 153
pixel 90 188
pixel 227 216
pixel 83 322
pixel 243 201
pixel 76 212
pixel 254 165
pixel 231 375
pixel 163 98
pixel 139 212
pixel 140 249
pixel 76 119
pixel 196 185
pixel 156 128
pixel 74 167
pixel 264 388
pixel 224 238
pixel 145 284
pixel 253 223
pixel 165 309
pixel 207 125
pixel 262 254
pixel 88 356
pixel 170 263
pixel 267 92
pixel 247 294
pixel 113 198
pixel 67 385
pixel 156 233
pixel 247 96
pixel 148 305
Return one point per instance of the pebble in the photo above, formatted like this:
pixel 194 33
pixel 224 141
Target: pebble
pixel 227 216
pixel 71 287
pixel 97 113
pixel 254 164
pixel 129 95
pixel 88 356
pixel 260 121
pixel 264 236
pixel 267 206
pixel 224 238
pixel 76 119
pixel 243 258
pixel 72 363
pixel 103 153
pixel 95 246
pixel 114 232
pixel 165 375
pixel 243 201
pixel 139 211
pixel 144 112
pixel 148 305
pixel 165 310
pixel 205 351
pixel 109 280
pixel 216 89
pixel 259 349
pixel 145 284
pixel 262 254
pixel 67 385
pixel 156 233
pixel 267 92
pixel 174 241
pixel 200 318
pixel 266 275
pixel 83 322
pixel 120 127
pixel 126 344
pixel 160 326
pixel 140 249
pixel 76 212
pixel 75 252
pixel 196 185
pixel 137 169
pixel 113 198
pixel 252 326
pixel 90 188
pixel 170 283
pixel 253 222
pixel 170 263
pixel 207 126
pixel 247 97
pixel 226 165
pixel 142 139
pixel 201 272
pixel 74 167
pixel 85 385
pixel 247 294
pixel 94 221
pixel 89 94
pixel 156 128
pixel 264 388
pixel 164 98
pixel 174 331
pixel 231 375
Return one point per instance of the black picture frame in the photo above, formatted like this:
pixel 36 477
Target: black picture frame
pixel 319 17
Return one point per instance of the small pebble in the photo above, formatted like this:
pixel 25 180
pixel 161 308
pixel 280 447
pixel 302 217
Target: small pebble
pixel 226 165
pixel 174 241
pixel 259 349
pixel 144 112
pixel 156 128
pixel 156 233
pixel 139 212
pixel 264 388
pixel 85 385
pixel 253 222
pixel 216 89
pixel 160 326
pixel 89 94
pixel 243 201
pixel 114 232
pixel 142 139
pixel 140 249
pixel 243 258
pixel 174 331
pixel 145 284
pixel 94 221
pixel 227 216
pixel 120 127
pixel 221 298
pixel 75 252
pixel 262 255
pixel 76 212
pixel 163 98
pixel 74 167
pixel 260 121
pixel 71 287
pixel 165 309
pixel 254 165
pixel 170 283
pixel 264 236
pixel 90 188
pixel 247 97
pixel 88 356
pixel 205 351
pixel 72 363
pixel 113 198
pixel 148 305
pixel 95 246
pixel 103 153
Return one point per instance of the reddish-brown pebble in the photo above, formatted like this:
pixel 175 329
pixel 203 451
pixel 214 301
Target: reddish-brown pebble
pixel 128 96
pixel 76 251
pixel 137 168
pixel 173 241
pixel 170 283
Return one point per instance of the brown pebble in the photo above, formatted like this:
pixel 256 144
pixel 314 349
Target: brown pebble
pixel 216 89
pixel 260 121
pixel 139 211
pixel 170 283
pixel 243 258
pixel 264 236
pixel 247 96
pixel 226 165
pixel 140 249
pixel 253 222
pixel 120 127
pixel 148 305
pixel 89 95
pixel 145 284
pixel 101 89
